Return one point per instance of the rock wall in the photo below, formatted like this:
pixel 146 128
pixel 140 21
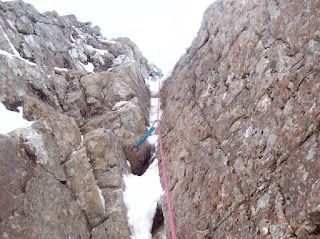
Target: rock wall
pixel 241 119
pixel 62 177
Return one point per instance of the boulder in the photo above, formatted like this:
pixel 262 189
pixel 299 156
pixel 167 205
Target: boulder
pixel 34 204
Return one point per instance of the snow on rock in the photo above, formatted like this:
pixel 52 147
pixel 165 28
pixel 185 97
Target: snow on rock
pixel 153 109
pixel 60 70
pixel 121 104
pixel 2 52
pixel 121 60
pixel 15 54
pixel 14 50
pixel 100 51
pixel 11 120
pixel 89 67
pixel 141 196
pixel 153 84
pixel 107 41
pixel 103 203
pixel 5 53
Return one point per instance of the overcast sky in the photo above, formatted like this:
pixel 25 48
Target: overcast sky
pixel 162 29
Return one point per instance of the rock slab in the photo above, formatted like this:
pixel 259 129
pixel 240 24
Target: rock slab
pixel 241 118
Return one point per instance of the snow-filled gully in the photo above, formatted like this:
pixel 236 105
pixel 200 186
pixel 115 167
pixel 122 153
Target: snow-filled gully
pixel 143 192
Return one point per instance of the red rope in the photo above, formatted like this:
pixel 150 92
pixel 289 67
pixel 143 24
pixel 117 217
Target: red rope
pixel 164 175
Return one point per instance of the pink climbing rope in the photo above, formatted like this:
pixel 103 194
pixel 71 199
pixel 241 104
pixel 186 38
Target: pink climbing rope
pixel 164 175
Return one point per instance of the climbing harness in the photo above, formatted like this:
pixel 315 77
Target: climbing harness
pixel 138 145
pixel 172 226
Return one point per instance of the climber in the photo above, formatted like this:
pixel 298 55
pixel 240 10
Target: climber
pixel 138 145
pixel 156 74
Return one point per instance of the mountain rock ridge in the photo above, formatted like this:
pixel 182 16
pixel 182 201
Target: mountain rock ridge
pixel 241 120
pixel 242 111
pixel 86 95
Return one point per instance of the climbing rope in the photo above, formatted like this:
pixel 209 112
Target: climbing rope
pixel 164 175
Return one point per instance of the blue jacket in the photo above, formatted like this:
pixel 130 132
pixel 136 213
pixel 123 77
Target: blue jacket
pixel 144 138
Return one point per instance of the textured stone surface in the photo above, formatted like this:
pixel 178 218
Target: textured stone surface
pixel 42 142
pixel 29 211
pixel 241 123
pixel 108 164
pixel 118 100
pixel 84 186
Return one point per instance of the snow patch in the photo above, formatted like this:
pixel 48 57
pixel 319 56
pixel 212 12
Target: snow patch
pixel 11 120
pixel 81 140
pixel 107 41
pixel 5 53
pixel 121 104
pixel 141 197
pixel 102 201
pixel 89 67
pixel 100 51
pixel 248 132
pixel 60 70
pixel 154 87
pixel 153 110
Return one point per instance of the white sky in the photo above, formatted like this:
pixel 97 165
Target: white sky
pixel 162 29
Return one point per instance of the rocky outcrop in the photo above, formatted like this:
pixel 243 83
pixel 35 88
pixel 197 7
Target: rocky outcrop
pixel 241 123
pixel 34 204
pixel 62 177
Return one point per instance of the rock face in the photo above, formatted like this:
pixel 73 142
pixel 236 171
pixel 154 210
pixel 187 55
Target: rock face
pixel 62 177
pixel 241 114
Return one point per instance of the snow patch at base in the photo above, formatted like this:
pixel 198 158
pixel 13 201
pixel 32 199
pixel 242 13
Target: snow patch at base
pixel 141 197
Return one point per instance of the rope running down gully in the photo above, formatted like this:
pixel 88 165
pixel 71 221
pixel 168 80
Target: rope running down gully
pixel 164 175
